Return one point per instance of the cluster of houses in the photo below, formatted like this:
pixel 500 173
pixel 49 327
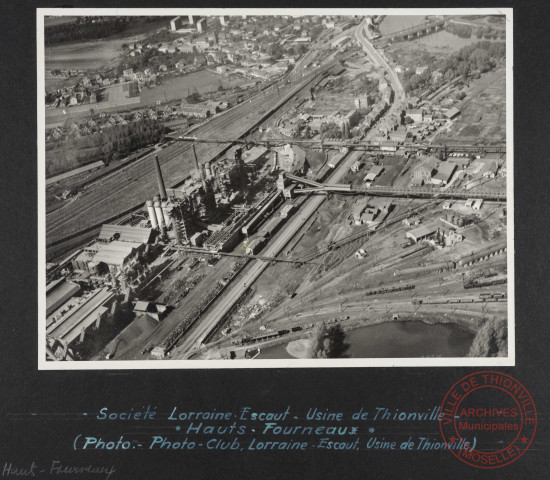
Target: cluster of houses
pixel 234 50
pixel 103 121
pixel 370 212
pixel 467 171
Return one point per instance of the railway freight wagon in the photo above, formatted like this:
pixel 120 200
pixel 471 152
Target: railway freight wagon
pixel 272 227
pixel 488 282
pixel 426 269
pixel 483 254
pixel 382 290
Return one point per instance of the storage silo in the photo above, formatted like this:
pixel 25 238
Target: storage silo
pixel 152 214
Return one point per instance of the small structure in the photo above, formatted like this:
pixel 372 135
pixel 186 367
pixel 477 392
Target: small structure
pixel 477 204
pixel 373 173
pixel 288 210
pixel 356 166
pixel 255 245
pixel 151 309
pixel 197 239
pixel 416 115
pixel 452 113
pixel 452 237
pixel 414 220
pixel 491 172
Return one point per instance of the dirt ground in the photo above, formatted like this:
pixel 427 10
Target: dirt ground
pixel 483 112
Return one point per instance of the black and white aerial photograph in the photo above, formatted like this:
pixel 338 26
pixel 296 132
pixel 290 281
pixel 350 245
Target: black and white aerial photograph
pixel 275 188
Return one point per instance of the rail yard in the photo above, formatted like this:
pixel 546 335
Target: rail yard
pixel 329 197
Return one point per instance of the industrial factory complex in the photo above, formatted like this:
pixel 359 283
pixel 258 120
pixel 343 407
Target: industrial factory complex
pixel 346 192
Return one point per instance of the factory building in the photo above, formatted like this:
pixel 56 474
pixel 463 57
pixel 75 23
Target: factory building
pixel 444 173
pixel 176 24
pixel 194 111
pixel 125 233
pixel 117 255
pixel 422 232
pixel 71 323
pixel 201 25
pixel 180 212
pixel 58 292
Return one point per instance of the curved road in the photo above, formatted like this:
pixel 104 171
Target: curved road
pixel 380 60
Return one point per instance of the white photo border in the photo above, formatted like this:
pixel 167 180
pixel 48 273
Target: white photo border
pixel 43 364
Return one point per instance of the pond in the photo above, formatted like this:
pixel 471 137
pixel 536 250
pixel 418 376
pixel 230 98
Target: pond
pixel 396 23
pixel 399 340
pixel 440 39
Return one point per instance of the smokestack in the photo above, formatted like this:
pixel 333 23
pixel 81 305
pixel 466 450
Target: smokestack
pixel 199 169
pixel 160 181
pixel 152 215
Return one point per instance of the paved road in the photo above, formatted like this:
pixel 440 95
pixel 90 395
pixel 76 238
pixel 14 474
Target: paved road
pixel 379 59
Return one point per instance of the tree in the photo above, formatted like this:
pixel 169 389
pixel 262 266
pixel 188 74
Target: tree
pixel 491 340
pixel 328 342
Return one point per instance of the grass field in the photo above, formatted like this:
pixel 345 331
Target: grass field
pixel 483 112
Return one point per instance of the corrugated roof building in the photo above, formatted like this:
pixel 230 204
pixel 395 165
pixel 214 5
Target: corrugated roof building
pixel 125 233
pixel 422 232
pixel 117 254
pixel 75 322
pixel 58 295
pixel 444 173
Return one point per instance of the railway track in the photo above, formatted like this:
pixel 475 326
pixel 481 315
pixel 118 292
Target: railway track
pixel 130 187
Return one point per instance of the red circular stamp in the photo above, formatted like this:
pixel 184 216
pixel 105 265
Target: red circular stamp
pixel 488 419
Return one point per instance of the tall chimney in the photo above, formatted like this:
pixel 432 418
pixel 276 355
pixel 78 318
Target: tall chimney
pixel 197 166
pixel 160 181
